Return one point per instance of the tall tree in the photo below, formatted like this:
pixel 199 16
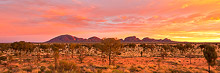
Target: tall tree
pixel 190 49
pixel 55 48
pixel 73 47
pixel 44 47
pixel 210 55
pixel 21 46
pixel 4 47
pixel 82 53
pixel 112 46
pixel 146 47
pixel 164 49
pixel 181 48
pixel 100 47
pixel 130 45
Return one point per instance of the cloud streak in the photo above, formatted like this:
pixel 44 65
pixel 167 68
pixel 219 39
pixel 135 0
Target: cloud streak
pixel 180 20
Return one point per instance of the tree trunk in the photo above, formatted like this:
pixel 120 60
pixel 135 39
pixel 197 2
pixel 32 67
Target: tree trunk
pixel 56 56
pixel 110 58
pixel 72 53
pixel 20 56
pixel 55 63
pixel 141 54
pixel 209 69
pixel 190 58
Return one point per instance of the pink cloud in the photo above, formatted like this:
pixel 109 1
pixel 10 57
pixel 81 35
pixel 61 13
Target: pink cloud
pixel 79 17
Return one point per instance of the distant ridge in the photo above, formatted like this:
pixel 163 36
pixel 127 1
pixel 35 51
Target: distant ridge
pixel 72 39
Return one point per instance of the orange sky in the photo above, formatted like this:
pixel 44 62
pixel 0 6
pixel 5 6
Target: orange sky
pixel 41 20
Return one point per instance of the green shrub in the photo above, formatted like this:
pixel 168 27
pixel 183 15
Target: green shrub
pixel 28 69
pixel 133 69
pixel 117 66
pixel 1 53
pixel 3 58
pixel 99 70
pixel 117 71
pixel 47 56
pixel 51 67
pixel 39 72
pixel 67 66
pixel 16 54
pixel 7 71
pixel 42 68
pixel 48 71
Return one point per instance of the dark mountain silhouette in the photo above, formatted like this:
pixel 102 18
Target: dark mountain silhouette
pixel 147 39
pixel 63 39
pixel 72 39
pixel 132 39
pixel 94 39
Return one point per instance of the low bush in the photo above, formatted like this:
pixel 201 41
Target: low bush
pixel 99 70
pixel 48 71
pixel 3 58
pixel 117 71
pixel 28 69
pixel 67 66
pixel 51 67
pixel 133 69
pixel 42 68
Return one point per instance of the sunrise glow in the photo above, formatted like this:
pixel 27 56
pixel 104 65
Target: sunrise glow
pixel 178 20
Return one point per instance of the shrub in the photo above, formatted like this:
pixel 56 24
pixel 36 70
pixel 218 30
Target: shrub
pixel 117 71
pixel 48 71
pixel 3 58
pixel 42 68
pixel 1 53
pixel 82 54
pixel 210 55
pixel 39 72
pixel 47 56
pixel 28 69
pixel 16 54
pixel 133 69
pixel 99 71
pixel 51 67
pixel 67 66
pixel 117 66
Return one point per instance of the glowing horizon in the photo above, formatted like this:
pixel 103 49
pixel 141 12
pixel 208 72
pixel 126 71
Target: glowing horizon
pixel 178 20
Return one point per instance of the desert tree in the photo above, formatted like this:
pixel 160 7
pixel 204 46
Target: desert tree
pixel 202 46
pixel 81 50
pixel 4 47
pixel 210 55
pixel 21 46
pixel 130 45
pixel 146 48
pixel 100 47
pixel 173 50
pixel 218 46
pixel 180 47
pixel 73 47
pixel 44 47
pixel 55 47
pixel 113 47
pixel 190 48
pixel 164 50
pixel 88 47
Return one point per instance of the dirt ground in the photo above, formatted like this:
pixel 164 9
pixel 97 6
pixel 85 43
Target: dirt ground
pixel 123 65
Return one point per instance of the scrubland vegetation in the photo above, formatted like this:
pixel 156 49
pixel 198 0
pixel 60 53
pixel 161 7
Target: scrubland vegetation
pixel 109 56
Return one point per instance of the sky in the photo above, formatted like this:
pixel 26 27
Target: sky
pixel 178 20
